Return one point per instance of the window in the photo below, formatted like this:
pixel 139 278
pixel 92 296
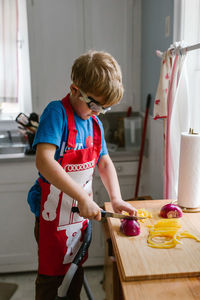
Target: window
pixel 189 31
pixel 15 88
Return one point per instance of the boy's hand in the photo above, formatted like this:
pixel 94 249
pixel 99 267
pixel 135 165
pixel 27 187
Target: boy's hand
pixel 90 210
pixel 121 205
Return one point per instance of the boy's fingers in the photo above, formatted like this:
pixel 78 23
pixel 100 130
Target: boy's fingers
pixel 98 216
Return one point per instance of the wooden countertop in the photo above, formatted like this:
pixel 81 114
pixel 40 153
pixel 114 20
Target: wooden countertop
pixel 165 289
pixel 151 273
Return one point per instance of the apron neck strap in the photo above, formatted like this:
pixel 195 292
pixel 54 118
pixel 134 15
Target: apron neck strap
pixel 96 132
pixel 72 132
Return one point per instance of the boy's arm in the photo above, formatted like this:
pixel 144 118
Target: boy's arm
pixel 109 178
pixel 56 175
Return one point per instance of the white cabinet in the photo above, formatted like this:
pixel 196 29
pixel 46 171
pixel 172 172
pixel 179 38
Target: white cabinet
pixel 56 38
pixel 126 171
pixel 18 251
pixel 114 26
pixel 60 31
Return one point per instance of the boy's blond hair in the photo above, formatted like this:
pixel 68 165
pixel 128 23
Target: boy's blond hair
pixel 98 73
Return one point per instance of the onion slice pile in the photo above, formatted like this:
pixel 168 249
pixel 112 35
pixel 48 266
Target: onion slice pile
pixel 167 234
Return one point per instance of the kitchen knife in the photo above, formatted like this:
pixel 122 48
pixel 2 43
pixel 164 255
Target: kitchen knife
pixel 107 214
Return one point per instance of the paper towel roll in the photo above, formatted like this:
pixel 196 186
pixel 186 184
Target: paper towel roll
pixel 189 171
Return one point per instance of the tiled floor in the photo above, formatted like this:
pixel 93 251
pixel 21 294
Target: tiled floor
pixel 26 283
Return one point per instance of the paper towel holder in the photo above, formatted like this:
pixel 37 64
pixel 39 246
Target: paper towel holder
pixel 191 131
pixel 185 209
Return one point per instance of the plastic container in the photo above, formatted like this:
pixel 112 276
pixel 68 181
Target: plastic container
pixel 132 132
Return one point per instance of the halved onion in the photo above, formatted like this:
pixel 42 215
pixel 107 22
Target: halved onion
pixel 171 210
pixel 130 227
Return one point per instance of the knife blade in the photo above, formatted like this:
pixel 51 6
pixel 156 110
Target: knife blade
pixel 108 214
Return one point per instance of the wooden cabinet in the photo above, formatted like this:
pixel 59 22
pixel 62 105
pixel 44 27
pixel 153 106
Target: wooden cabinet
pixel 18 251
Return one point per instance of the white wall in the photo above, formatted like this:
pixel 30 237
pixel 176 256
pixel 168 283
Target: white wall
pixel 154 37
pixel 152 167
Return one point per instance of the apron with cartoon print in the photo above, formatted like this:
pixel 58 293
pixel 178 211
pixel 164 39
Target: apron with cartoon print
pixel 61 232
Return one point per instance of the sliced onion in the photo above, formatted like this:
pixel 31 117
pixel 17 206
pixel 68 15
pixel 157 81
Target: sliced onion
pixel 130 227
pixel 171 210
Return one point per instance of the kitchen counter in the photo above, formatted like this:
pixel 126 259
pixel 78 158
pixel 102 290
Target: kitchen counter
pixel 118 155
pixel 136 271
pixel 122 154
pixel 16 157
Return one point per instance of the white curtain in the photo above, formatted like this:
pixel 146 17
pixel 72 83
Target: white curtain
pixel 178 121
pixel 177 99
pixel 172 104
pixel 190 33
pixel 8 51
pixel 186 102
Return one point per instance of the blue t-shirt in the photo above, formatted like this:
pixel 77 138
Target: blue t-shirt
pixel 52 129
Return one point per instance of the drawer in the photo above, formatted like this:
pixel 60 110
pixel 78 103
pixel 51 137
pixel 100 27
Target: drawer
pixel 123 168
pixel 126 168
pixel 18 172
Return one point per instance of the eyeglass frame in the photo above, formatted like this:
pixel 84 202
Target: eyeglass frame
pixel 89 101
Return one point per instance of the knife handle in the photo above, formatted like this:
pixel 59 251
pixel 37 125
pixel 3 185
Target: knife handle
pixel 76 210
pixel 103 213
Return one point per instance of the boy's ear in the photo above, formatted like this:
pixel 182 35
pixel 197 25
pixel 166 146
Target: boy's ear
pixel 74 89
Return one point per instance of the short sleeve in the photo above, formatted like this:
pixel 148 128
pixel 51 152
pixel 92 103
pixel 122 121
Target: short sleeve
pixel 51 125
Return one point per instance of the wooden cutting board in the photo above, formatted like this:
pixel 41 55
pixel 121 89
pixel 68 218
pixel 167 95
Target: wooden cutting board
pixel 137 261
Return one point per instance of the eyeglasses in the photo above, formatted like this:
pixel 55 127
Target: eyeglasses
pixel 93 104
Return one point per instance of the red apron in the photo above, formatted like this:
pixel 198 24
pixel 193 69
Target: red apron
pixel 61 231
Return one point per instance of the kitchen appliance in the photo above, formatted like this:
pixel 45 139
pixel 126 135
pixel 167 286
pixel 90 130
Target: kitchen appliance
pixel 132 132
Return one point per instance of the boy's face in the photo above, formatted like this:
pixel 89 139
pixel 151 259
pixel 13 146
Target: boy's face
pixel 80 106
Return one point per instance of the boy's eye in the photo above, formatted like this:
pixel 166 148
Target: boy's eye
pixel 94 101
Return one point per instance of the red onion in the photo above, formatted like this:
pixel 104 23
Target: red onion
pixel 130 227
pixel 171 211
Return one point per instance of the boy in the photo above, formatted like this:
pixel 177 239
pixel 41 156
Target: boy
pixel 69 143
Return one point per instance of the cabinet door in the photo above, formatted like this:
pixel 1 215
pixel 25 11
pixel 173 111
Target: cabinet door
pixel 126 174
pixel 56 37
pixel 113 26
pixel 127 186
pixel 18 251
pixel 59 31
pixel 96 250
